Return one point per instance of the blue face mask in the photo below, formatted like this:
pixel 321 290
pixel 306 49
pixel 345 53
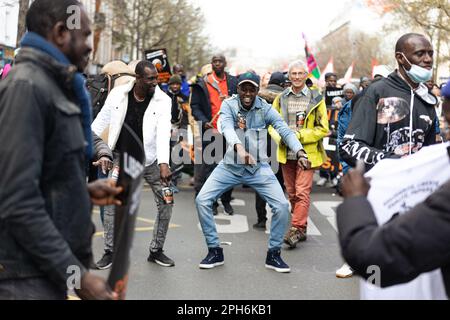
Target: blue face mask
pixel 417 74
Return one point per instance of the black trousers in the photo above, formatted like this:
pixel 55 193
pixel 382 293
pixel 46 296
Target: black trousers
pixel 260 206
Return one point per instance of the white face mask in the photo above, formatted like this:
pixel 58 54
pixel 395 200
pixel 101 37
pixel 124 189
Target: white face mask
pixel 423 92
pixel 417 74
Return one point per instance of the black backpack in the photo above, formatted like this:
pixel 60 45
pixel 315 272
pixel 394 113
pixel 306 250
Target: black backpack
pixel 99 87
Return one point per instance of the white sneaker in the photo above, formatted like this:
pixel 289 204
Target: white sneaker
pixel 334 182
pixel 344 272
pixel 321 182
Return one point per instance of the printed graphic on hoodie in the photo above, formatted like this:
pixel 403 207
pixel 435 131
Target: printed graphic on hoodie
pixel 390 111
pixel 381 121
pixel 393 117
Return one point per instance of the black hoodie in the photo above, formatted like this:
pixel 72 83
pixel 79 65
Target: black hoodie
pixel 367 135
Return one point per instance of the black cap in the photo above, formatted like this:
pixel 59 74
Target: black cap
pixel 277 78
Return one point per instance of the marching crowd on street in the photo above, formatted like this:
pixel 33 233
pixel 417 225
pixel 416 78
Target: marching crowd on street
pixel 56 147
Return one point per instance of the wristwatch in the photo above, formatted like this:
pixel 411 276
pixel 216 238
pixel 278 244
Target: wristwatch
pixel 302 155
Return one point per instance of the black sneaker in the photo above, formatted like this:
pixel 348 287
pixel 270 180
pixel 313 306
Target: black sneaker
pixel 228 208
pixel 274 261
pixel 160 258
pixel 260 225
pixel 215 206
pixel 106 261
pixel 213 259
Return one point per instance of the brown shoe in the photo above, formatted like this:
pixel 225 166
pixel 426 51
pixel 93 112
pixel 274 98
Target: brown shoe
pixel 291 238
pixel 302 234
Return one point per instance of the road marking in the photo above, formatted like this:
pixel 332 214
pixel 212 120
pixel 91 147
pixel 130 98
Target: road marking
pixel 141 229
pixel 236 202
pixel 312 228
pixel 326 209
pixel 237 223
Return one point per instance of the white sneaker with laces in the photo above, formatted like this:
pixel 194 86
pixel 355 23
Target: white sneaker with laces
pixel 321 182
pixel 344 272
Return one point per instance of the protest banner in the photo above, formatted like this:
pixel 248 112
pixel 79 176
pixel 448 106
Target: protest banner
pixel 160 60
pixel 397 185
pixel 131 171
pixel 330 93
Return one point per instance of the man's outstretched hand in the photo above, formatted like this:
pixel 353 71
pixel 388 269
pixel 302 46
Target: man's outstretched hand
pixel 105 163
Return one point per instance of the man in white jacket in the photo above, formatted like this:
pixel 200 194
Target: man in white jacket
pixel 143 106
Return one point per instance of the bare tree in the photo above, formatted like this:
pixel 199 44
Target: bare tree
pixel 347 46
pixel 173 24
pixel 431 17
pixel 23 8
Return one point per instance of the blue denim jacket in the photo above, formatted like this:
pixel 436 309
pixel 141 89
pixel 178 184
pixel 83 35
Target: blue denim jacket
pixel 254 137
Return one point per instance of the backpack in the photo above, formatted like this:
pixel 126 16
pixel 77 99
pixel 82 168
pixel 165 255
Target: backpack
pixel 99 86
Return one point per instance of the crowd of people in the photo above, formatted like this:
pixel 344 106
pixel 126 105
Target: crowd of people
pixel 239 121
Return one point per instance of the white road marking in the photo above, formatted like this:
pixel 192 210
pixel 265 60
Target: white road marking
pixel 312 228
pixel 326 209
pixel 237 223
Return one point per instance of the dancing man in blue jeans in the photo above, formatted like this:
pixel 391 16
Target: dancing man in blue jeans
pixel 244 120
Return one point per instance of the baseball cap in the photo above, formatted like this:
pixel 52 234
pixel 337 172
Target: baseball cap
pixel 249 77
pixel 277 78
pixel 175 79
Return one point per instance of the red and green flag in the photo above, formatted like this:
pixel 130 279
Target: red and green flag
pixel 313 68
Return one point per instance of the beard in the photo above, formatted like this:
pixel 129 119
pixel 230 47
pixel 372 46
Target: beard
pixel 77 59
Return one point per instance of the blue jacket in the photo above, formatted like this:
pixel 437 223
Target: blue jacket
pixel 254 137
pixel 344 117
pixel 185 87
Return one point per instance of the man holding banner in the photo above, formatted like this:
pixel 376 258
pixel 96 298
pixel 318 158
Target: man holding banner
pixel 45 203
pixel 146 109
pixel 412 242
pixel 395 116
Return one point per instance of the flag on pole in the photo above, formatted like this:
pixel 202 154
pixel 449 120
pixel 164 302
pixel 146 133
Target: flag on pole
pixel 328 68
pixel 348 74
pixel 374 64
pixel 313 68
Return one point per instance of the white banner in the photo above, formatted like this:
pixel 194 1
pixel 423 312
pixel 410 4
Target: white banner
pixel 397 185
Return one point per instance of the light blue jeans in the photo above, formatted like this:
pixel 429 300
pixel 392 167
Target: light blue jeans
pixel 262 181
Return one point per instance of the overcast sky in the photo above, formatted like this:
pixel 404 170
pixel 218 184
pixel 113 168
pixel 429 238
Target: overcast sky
pixel 272 29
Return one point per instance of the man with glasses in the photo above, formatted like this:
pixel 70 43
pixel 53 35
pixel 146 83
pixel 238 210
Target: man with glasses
pixel 243 121
pixel 305 112
pixel 144 107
